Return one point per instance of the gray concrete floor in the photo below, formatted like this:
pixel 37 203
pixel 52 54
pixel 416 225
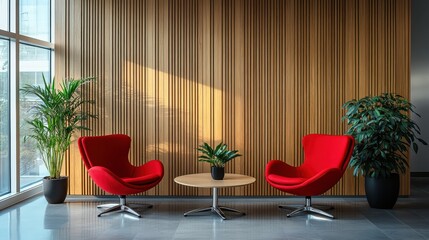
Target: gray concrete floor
pixel 77 219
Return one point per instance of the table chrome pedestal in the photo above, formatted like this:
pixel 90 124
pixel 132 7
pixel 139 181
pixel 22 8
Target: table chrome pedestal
pixel 215 207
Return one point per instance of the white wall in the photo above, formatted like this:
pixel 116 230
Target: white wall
pixel 420 78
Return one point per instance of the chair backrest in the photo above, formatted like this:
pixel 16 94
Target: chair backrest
pixel 110 151
pixel 327 151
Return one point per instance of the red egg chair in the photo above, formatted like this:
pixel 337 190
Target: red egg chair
pixel 106 159
pixel 326 157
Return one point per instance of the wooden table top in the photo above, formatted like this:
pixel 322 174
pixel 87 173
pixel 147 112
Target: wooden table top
pixel 205 180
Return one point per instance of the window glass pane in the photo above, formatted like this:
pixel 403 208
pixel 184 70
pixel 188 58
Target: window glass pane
pixel 4 14
pixel 4 118
pixel 34 62
pixel 34 19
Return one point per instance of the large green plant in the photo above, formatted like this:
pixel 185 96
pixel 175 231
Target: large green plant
pixel 383 132
pixel 56 116
pixel 217 156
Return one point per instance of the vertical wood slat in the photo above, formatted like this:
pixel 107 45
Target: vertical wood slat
pixel 255 74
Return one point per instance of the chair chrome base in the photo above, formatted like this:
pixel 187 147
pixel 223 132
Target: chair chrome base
pixel 215 208
pixel 307 208
pixel 121 207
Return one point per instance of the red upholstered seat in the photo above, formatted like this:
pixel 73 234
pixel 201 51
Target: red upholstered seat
pixel 147 179
pixel 106 159
pixel 282 180
pixel 325 159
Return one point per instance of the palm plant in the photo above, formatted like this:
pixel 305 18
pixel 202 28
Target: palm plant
pixel 55 118
pixel 217 156
pixel 383 132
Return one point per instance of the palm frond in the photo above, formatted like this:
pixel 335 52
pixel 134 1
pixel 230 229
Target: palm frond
pixel 55 118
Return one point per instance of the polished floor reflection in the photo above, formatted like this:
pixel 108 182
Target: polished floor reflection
pixel 77 219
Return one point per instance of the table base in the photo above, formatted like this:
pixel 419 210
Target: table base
pixel 215 208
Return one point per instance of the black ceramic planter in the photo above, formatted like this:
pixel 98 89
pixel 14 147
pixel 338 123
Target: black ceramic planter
pixel 382 192
pixel 55 190
pixel 217 173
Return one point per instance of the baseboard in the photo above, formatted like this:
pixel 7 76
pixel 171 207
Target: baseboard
pixel 419 174
pixel 8 201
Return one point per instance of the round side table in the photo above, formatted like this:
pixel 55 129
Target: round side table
pixel 204 180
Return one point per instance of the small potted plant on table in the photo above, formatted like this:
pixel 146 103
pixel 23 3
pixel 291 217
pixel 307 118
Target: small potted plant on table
pixel 217 157
pixel 383 132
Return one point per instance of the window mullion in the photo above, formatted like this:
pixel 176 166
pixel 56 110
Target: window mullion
pixel 14 116
pixel 35 42
pixel 13 16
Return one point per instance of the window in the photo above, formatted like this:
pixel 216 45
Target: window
pixel 4 118
pixel 25 56
pixel 34 63
pixel 35 19
pixel 4 15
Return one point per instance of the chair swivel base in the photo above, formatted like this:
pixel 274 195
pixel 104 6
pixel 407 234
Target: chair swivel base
pixel 307 208
pixel 121 207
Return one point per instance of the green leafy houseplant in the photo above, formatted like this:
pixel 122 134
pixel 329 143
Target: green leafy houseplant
pixel 56 116
pixel 217 156
pixel 383 132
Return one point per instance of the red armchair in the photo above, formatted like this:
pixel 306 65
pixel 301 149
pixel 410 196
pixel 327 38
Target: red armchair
pixel 325 159
pixel 106 159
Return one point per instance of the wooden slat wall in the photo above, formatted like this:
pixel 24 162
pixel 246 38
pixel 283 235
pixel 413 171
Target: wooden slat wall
pixel 256 74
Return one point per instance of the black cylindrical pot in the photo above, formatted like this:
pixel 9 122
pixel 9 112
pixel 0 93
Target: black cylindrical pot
pixel 218 173
pixel 382 192
pixel 55 190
